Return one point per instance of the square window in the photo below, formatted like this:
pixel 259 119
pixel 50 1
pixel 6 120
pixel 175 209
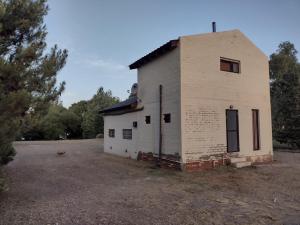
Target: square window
pixel 148 119
pixel 167 118
pixel 111 133
pixel 135 124
pixel 127 134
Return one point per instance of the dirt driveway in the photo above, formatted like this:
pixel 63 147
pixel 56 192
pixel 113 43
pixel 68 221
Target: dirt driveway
pixel 86 186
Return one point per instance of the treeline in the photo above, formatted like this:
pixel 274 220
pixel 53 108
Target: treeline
pixel 80 120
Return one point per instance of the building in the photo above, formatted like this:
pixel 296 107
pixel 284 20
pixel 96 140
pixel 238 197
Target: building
pixel 200 101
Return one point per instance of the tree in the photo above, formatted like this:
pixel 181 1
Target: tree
pixel 285 94
pixel 31 128
pixel 92 123
pixel 57 123
pixel 79 109
pixel 71 123
pixel 27 74
pixel 51 124
pixel 81 120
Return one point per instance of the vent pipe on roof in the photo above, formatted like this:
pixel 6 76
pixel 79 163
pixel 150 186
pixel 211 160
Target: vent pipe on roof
pixel 213 26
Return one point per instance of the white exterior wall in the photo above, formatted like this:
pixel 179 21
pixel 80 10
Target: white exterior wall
pixel 196 94
pixel 164 70
pixel 118 145
pixel 206 92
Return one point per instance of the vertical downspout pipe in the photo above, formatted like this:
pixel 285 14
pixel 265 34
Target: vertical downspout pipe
pixel 160 125
pixel 214 28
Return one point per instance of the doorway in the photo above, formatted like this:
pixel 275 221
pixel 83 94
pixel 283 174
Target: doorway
pixel 232 130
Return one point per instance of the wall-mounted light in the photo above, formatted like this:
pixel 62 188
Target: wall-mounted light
pixel 231 107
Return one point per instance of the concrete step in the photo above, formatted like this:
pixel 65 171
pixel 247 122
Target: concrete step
pixel 241 164
pixel 237 159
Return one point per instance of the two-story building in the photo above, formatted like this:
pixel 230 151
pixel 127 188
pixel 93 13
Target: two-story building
pixel 200 101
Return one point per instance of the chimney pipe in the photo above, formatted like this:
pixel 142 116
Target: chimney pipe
pixel 213 26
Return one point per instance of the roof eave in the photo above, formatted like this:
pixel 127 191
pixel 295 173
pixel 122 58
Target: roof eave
pixel 129 103
pixel 169 46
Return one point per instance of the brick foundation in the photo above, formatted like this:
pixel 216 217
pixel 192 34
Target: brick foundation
pixel 167 161
pixel 145 156
pixel 205 163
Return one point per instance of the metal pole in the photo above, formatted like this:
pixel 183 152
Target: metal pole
pixel 160 125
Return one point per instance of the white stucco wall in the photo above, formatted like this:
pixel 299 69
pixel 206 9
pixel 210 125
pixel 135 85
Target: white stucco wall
pixel 118 145
pixel 164 70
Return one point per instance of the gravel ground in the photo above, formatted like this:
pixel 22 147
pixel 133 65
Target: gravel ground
pixel 85 186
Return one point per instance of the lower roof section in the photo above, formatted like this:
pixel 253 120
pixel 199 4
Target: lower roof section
pixel 127 105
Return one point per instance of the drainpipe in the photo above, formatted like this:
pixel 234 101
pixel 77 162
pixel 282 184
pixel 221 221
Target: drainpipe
pixel 160 125
pixel 214 28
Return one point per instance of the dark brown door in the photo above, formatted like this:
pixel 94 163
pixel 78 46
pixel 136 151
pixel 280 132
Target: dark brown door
pixel 232 130
pixel 255 126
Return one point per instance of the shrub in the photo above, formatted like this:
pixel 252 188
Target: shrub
pixel 99 136
pixel 7 152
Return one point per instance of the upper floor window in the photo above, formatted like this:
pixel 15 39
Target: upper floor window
pixel 229 65
pixel 167 118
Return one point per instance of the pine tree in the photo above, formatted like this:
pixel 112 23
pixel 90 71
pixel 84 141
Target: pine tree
pixel 27 74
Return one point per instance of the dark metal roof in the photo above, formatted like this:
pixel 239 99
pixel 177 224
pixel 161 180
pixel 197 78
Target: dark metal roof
pixel 121 105
pixel 122 111
pixel 155 54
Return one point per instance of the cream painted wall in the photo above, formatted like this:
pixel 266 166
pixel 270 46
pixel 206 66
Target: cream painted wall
pixel 197 94
pixel 206 92
pixel 165 71
pixel 118 145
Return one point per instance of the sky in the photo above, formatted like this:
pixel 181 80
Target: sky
pixel 104 36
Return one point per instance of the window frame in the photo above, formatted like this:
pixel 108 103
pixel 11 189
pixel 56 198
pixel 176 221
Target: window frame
pixel 146 119
pixel 127 136
pixel 167 117
pixel 232 62
pixel 111 133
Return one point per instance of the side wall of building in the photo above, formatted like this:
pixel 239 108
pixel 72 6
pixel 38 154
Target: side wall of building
pixel 164 70
pixel 118 145
pixel 206 93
